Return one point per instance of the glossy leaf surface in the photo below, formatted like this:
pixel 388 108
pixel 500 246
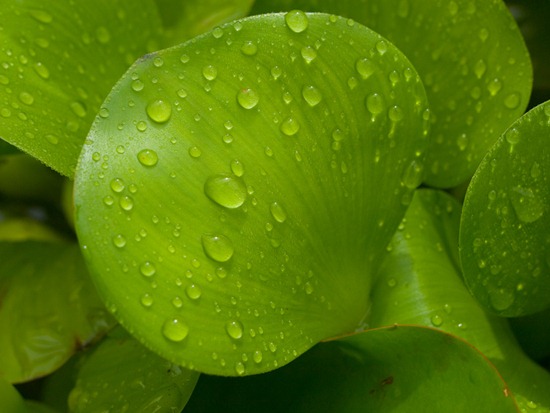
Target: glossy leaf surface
pixel 233 215
pixel 121 375
pixel 49 308
pixel 420 283
pixel 504 239
pixel 395 369
pixel 59 61
pixel 471 58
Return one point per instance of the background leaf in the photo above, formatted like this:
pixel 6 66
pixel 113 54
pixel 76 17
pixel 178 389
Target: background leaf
pixel 234 215
pixel 121 375
pixel 472 59
pixel 49 308
pixel 59 62
pixel 397 369
pixel 504 238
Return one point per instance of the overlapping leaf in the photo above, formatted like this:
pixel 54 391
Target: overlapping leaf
pixel 234 212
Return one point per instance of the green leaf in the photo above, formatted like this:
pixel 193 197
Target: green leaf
pixel 59 62
pixel 395 369
pixel 504 238
pixel 121 375
pixel 49 308
pixel 420 283
pixel 238 215
pixel 472 59
pixel 183 20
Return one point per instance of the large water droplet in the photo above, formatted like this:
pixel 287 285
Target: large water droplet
pixel 148 157
pixel 175 329
pixel 311 95
pixel 193 291
pixel 278 212
pixel 119 241
pixel 217 247
pixel 290 126
pixel 234 329
pixel 225 190
pixel 147 269
pixel 296 20
pixel 209 72
pixel 159 110
pixel 529 208
pixel 248 98
pixel 126 203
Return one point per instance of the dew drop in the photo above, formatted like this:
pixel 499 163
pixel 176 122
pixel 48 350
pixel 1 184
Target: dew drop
pixel 249 48
pixel 237 167
pixel 146 300
pixel 480 68
pixel 225 190
pixel 234 329
pixel 217 32
pixel 126 203
pixel 119 241
pixel 278 213
pixel 42 70
pixel 175 329
pixel 308 54
pixel 528 207
pixel 137 85
pixel 436 320
pixel 78 109
pixel 257 357
pixel 195 152
pixel 239 368
pixel 535 170
pixel 296 20
pixel 177 302
pixel 512 101
pixel 247 98
pixel 26 98
pixel 209 72
pixel 159 110
pixel 193 291
pixel 494 86
pixel 147 269
pixel 512 136
pixel 102 35
pixel 117 185
pixel 413 174
pixel 217 247
pixel 395 113
pixel 501 299
pixel 148 157
pixel 311 95
pixel 381 47
pixel 364 67
pixel 41 16
pixel 290 126
pixel 375 103
pixel 403 8
pixel 276 72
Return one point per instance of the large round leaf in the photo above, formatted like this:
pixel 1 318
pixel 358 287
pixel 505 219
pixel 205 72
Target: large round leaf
pixel 472 59
pixel 59 61
pixel 49 308
pixel 504 237
pixel 233 206
pixel 399 369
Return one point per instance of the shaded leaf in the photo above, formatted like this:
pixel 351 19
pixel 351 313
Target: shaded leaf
pixel 395 369
pixel 121 375
pixel 504 238
pixel 49 308
pixel 60 60
pixel 472 59
pixel 246 199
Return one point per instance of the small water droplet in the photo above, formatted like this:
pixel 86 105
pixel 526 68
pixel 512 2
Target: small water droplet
pixel 41 16
pixel 234 329
pixel 276 72
pixel 436 320
pixel 148 157
pixel 527 205
pixel 249 48
pixel 453 8
pixel 117 185
pixel 403 8
pixel 78 109
pixel 296 20
pixel 395 113
pixel 209 72
pixel 146 300
pixel 480 68
pixel 494 86
pixel 102 35
pixel 290 126
pixel 311 95
pixel 501 299
pixel 217 247
pixel 413 174
pixel 392 282
pixel 257 357
pixel 375 104
pixel 308 54
pixel 535 170
pixel 365 67
pixel 225 190
pixel 483 34
pixel 278 212
pixel 512 136
pixel 26 98
pixel 42 70
pixel 126 203
pixel 247 98
pixel 159 110
pixel 237 167
pixel 137 85
pixel 381 47
pixel 512 101
pixel 195 152
pixel 119 241
pixel 175 329
pixel 193 291
pixel 217 32
pixel 147 269
pixel 308 288
pixel 177 302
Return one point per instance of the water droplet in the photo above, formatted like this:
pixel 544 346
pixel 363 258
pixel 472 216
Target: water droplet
pixel 512 101
pixel 42 70
pixel 412 177
pixel 78 109
pixel 480 68
pixel 102 35
pixel 217 247
pixel 193 291
pixel 462 142
pixel 395 113
pixel 41 16
pixel 119 241
pixel 535 170
pixel 365 67
pixel 159 111
pixel 512 136
pixel 26 98
pixel 54 140
pixel 126 203
pixel 146 300
pixel 217 32
pixel 137 85
pixel 308 288
pixel 276 72
pixel 392 282
pixel 209 72
pixel 177 302
pixel 237 167
pixel 147 269
pixel 175 329
pixel 272 347
pixel 381 47
pixel 290 126
pixel 296 20
pixel 436 320
pixel 195 152
pixel 311 95
pixel 117 185
pixel 225 190
pixel 527 205
pixel 248 98
pixel 249 48
pixel 308 54
pixel 257 356
pixel 375 104
pixel 278 212
pixel 453 8
pixel 234 329
pixel 494 86
pixel 501 299
pixel 240 368
pixel 147 157
pixel 403 8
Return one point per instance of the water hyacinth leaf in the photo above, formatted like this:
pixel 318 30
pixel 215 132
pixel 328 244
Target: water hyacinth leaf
pixel 183 20
pixel 395 369
pixel 121 375
pixel 250 190
pixel 49 308
pixel 472 59
pixel 420 283
pixel 504 239
pixel 59 62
